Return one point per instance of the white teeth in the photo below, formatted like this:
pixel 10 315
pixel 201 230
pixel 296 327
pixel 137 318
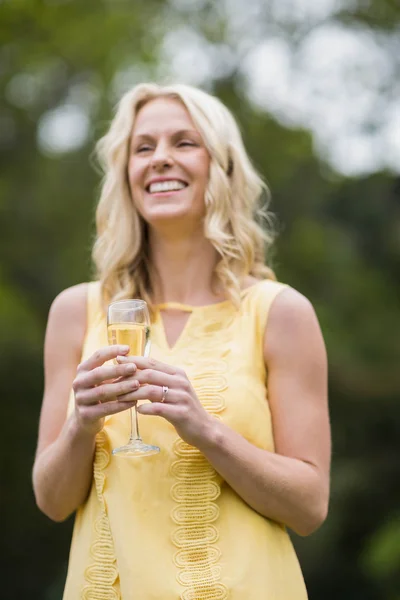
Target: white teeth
pixel 166 186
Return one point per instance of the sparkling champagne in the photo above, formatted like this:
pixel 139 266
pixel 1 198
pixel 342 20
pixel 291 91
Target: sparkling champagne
pixel 128 323
pixel 136 336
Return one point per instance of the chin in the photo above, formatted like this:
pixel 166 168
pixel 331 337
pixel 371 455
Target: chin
pixel 168 210
pixel 168 215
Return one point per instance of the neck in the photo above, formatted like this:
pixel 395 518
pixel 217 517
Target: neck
pixel 184 267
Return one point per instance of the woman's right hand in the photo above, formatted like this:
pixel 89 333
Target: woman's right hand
pixel 102 390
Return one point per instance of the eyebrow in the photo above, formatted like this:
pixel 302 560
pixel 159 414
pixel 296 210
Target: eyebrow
pixel 179 133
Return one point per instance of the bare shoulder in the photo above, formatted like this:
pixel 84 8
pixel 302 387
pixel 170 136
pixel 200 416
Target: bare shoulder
pixel 67 314
pixel 291 307
pixel 71 299
pixel 292 324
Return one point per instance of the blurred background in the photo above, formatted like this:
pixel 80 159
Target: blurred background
pixel 315 87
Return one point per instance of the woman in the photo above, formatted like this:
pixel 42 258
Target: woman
pixel 243 428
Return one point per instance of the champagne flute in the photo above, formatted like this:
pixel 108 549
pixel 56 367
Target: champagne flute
pixel 128 323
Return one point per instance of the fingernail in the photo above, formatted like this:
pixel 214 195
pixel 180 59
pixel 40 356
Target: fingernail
pixel 122 359
pixel 130 368
pixel 135 384
pixel 124 349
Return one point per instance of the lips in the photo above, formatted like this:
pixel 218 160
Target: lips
pixel 159 186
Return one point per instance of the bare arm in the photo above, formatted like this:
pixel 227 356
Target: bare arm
pixel 62 469
pixel 62 472
pixel 290 486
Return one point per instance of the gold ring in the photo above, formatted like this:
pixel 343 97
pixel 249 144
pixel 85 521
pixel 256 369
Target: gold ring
pixel 165 390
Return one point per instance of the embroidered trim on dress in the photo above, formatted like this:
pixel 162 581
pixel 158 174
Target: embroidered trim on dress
pixel 102 574
pixel 197 485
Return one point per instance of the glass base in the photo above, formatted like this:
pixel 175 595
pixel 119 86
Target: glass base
pixel 136 448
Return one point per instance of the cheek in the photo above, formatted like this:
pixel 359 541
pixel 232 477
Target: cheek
pixel 133 177
pixel 203 183
pixel 135 187
pixel 202 170
pixel 135 173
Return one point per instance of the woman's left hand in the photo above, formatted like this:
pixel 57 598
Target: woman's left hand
pixel 172 397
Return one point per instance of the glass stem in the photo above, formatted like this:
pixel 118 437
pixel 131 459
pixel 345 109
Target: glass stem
pixel 134 425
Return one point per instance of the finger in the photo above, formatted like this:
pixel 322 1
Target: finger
pixel 153 393
pixel 149 376
pixel 168 411
pixel 143 362
pixel 90 414
pixel 103 355
pixel 106 392
pixel 105 373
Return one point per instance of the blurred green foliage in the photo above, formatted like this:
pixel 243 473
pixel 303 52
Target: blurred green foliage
pixel 339 245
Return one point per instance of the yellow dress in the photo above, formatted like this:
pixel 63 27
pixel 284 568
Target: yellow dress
pixel 167 527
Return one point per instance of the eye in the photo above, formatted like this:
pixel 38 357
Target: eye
pixel 186 143
pixel 143 148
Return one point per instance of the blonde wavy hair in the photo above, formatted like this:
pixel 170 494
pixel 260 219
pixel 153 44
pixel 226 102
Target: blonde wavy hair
pixel 121 251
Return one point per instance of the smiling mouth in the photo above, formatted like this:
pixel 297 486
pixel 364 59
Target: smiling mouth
pixel 166 187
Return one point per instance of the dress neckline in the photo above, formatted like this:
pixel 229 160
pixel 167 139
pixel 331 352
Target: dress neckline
pixel 193 307
pixel 195 313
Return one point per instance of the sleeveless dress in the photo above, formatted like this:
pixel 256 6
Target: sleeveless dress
pixel 167 526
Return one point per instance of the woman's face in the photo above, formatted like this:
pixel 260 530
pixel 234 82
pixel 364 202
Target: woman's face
pixel 168 164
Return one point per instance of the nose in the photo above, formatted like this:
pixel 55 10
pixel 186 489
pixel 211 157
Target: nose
pixel 161 158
